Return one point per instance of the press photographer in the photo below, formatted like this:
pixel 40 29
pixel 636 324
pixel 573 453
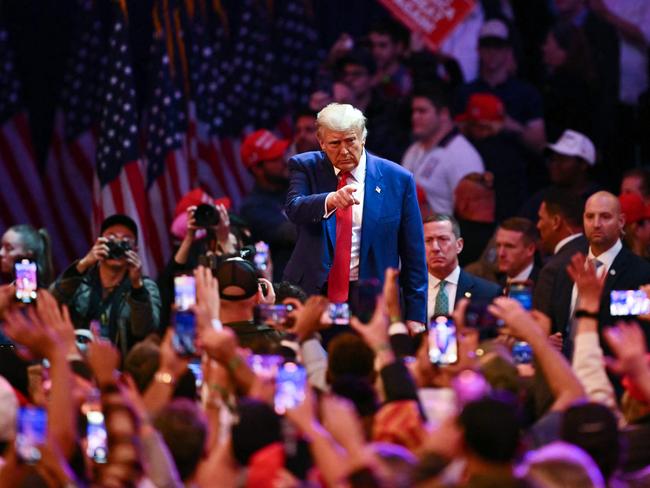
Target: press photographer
pixel 107 285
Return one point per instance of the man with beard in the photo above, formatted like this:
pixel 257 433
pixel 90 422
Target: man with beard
pixel 263 209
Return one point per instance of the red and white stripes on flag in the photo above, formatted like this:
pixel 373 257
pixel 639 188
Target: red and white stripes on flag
pixel 68 185
pixel 220 169
pixel 126 194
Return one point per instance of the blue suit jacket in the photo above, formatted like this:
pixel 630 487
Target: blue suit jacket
pixel 391 232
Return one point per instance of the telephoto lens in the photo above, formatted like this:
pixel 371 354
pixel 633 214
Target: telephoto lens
pixel 206 215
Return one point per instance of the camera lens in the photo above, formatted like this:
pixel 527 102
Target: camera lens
pixel 206 215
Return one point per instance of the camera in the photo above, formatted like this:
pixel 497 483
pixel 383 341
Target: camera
pixel 206 215
pixel 117 249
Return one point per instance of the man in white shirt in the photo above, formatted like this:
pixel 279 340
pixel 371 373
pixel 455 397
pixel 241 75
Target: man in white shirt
pixel 441 156
pixel 516 243
pixel 447 282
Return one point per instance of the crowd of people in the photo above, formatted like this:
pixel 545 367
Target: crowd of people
pixel 442 279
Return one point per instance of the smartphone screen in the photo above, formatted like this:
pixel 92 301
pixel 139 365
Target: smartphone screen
pixel 339 313
pixel 26 280
pixel 364 298
pixel 184 292
pixel 266 364
pixel 290 387
pixel 522 353
pixel 261 258
pixel 96 449
pixel 628 302
pixel 184 333
pixel 31 431
pixel 523 294
pixel 195 366
pixel 272 314
pixel 443 343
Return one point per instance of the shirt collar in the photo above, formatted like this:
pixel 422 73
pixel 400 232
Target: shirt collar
pixel 565 241
pixel 357 173
pixel 452 278
pixel 524 274
pixel 607 258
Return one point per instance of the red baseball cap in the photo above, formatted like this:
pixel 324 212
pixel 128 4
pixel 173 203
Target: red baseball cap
pixel 483 107
pixel 262 145
pixel 632 207
pixel 196 197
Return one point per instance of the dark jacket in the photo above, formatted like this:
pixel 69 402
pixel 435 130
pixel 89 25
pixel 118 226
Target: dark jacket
pixel 126 316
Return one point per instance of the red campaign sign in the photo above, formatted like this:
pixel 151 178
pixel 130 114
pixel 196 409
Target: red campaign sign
pixel 434 19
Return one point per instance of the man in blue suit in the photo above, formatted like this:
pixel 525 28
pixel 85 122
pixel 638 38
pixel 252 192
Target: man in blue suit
pixel 447 282
pixel 357 214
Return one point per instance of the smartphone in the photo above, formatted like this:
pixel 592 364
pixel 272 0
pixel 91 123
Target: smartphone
pixel 364 298
pixel 261 258
pixel 443 342
pixel 31 431
pixel 628 302
pixel 195 366
pixel 26 273
pixel 97 447
pixel 290 387
pixel 339 313
pixel 184 333
pixel 522 353
pixel 267 364
pixel 523 293
pixel 184 292
pixel 478 317
pixel 272 314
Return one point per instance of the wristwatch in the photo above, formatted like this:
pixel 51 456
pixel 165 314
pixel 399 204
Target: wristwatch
pixel 164 377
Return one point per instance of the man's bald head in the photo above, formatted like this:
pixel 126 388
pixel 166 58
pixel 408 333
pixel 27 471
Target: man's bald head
pixel 603 221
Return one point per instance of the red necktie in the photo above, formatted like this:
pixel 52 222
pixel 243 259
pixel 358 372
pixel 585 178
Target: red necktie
pixel 338 283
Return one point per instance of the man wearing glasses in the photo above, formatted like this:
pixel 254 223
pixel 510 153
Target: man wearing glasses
pixel 107 286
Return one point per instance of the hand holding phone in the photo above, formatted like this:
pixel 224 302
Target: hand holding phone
pixel 26 273
pixel 183 340
pixel 96 438
pixel 31 431
pixel 290 387
pixel 443 342
pixel 184 292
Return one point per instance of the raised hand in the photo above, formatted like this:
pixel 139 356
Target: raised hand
pixel 97 253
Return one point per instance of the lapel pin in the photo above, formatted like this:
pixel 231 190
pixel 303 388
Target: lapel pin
pixel 612 272
pixel 377 189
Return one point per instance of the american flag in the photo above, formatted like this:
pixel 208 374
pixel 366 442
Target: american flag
pixel 210 112
pixel 119 184
pixel 169 175
pixel 21 200
pixel 71 158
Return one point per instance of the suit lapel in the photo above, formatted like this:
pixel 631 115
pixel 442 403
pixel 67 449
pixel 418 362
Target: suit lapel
pixel 326 182
pixel 614 273
pixel 373 198
pixel 464 285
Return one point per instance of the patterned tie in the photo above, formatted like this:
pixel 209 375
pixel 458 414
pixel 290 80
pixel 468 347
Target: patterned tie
pixel 597 264
pixel 441 306
pixel 338 283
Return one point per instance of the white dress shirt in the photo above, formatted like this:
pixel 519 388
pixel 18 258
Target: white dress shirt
pixel 358 180
pixel 434 287
pixel 607 258
pixel 565 241
pixel 523 275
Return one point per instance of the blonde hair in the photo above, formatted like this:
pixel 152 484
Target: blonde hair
pixel 341 117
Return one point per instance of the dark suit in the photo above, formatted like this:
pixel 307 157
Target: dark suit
pixel 532 278
pixel 552 294
pixel 391 231
pixel 627 272
pixel 471 286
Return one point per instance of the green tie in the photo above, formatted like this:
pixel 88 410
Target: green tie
pixel 441 306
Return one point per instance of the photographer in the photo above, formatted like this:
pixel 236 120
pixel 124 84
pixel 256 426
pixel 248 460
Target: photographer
pixel 107 285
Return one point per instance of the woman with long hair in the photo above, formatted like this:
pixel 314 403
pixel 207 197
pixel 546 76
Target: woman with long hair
pixel 25 242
